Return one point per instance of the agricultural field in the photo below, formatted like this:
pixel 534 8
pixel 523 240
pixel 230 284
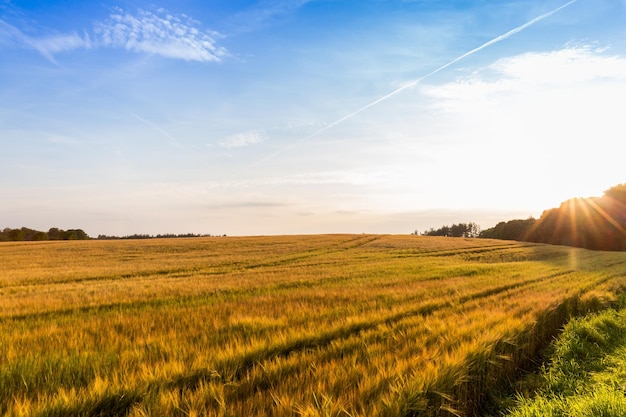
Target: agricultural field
pixel 321 325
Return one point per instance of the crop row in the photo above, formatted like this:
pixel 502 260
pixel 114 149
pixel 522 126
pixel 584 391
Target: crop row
pixel 325 325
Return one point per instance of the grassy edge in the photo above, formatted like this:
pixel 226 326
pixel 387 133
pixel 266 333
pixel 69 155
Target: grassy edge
pixel 476 385
pixel 584 373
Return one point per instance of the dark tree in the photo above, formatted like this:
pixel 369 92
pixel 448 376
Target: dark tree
pixel 510 230
pixel 75 234
pixel 55 234
pixel 16 235
pixel 617 193
pixel 592 223
pixel 456 230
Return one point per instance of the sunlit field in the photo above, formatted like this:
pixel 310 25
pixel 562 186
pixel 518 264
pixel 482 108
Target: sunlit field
pixel 324 325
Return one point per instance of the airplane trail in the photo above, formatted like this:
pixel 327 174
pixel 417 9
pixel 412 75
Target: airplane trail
pixel 413 83
pixel 172 140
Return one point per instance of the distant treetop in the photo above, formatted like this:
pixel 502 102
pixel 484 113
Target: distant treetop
pixel 159 236
pixel 26 234
pixel 470 229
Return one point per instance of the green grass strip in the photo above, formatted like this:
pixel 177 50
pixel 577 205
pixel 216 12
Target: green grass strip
pixel 586 372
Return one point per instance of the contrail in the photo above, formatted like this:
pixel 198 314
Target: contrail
pixel 172 140
pixel 413 83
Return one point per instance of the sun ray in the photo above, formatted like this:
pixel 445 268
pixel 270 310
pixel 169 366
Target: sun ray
pixel 609 218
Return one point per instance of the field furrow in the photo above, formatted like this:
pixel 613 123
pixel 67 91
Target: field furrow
pixel 285 326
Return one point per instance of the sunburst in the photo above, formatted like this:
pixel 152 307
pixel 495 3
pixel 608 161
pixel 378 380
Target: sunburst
pixel 595 223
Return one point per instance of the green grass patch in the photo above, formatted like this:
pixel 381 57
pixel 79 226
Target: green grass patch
pixel 586 372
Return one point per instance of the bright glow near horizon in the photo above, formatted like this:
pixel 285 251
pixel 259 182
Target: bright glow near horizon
pixel 212 117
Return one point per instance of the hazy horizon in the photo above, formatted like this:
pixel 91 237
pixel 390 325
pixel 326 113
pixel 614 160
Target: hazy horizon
pixel 310 116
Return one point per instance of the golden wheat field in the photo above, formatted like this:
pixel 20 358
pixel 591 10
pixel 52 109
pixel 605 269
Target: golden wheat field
pixel 321 325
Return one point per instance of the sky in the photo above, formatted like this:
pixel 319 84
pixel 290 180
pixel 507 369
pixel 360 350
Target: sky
pixel 305 116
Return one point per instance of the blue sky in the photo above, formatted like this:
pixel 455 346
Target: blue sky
pixel 319 116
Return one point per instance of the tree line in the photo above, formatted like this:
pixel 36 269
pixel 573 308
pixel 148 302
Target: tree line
pixel 25 234
pixel 511 230
pixel 470 229
pixel 594 223
pixel 159 236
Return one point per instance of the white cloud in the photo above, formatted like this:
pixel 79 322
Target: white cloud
pixel 46 45
pixel 161 34
pixel 59 43
pixel 547 120
pixel 532 71
pixel 242 140
pixel 569 65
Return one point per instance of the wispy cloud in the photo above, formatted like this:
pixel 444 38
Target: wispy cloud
pixel 242 140
pixel 156 33
pixel 572 64
pixel 45 45
pixel 63 140
pixel 530 72
pixel 555 109
pixel 261 204
pixel 172 140
pixel 160 33
pixel 381 177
